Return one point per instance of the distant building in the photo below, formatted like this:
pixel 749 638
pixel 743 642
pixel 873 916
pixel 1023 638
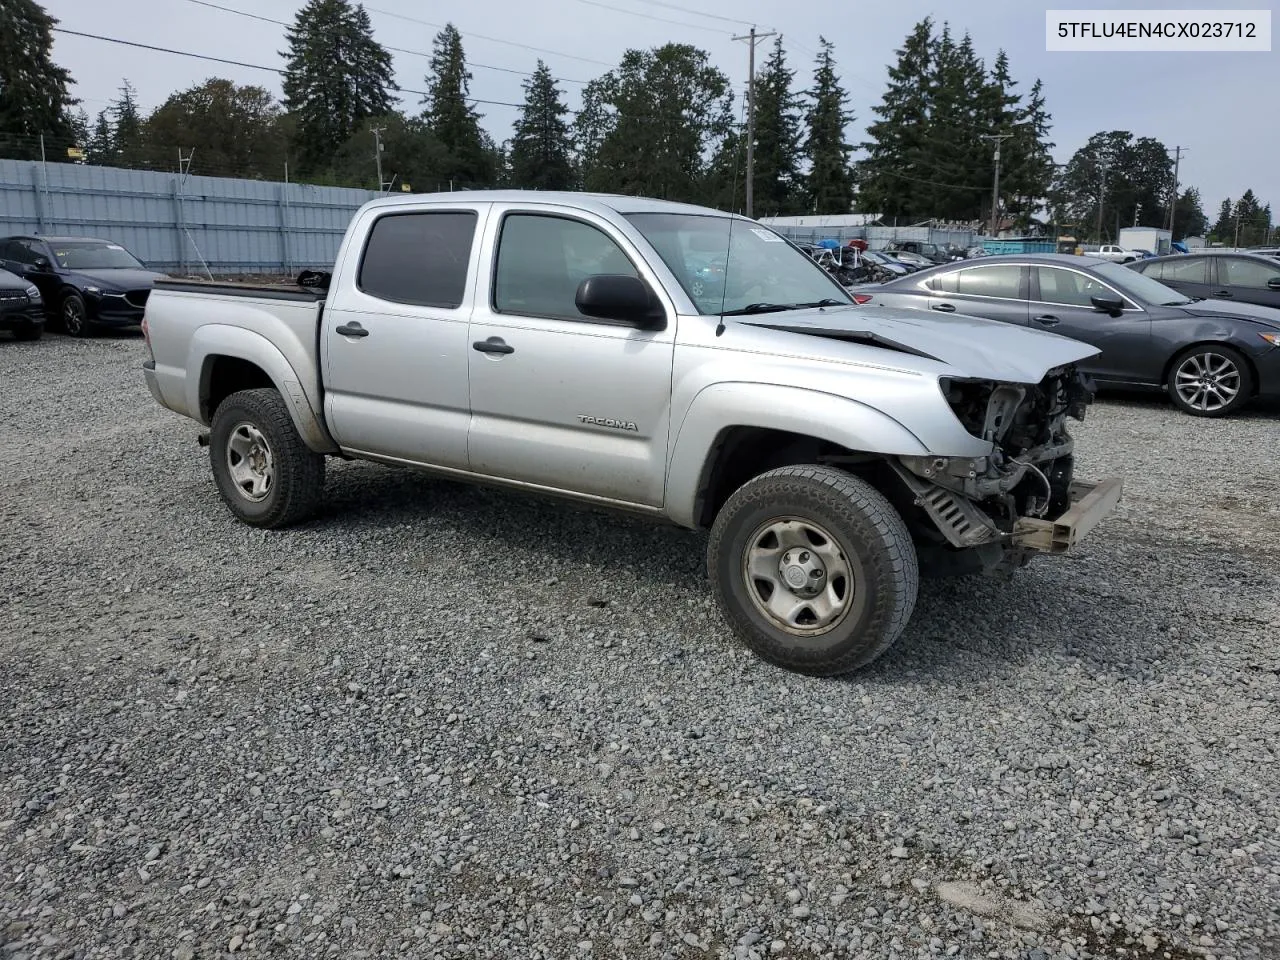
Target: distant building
pixel 1193 243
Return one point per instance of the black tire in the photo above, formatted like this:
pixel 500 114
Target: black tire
pixel 869 535
pixel 1213 360
pixel 296 473
pixel 29 331
pixel 74 315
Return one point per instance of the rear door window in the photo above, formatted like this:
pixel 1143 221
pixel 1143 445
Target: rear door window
pixel 419 258
pixel 1002 281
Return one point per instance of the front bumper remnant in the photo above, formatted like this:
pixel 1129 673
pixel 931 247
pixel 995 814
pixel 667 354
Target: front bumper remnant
pixel 1090 502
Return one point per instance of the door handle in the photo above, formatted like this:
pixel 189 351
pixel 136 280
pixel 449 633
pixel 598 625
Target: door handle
pixel 943 307
pixel 1224 293
pixel 1047 319
pixel 351 329
pixel 493 345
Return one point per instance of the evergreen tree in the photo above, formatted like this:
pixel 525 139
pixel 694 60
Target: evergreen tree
pixel 724 185
pixel 33 89
pixel 102 150
pixel 1188 216
pixel 410 154
pixel 962 106
pixel 1031 165
pixel 337 77
pixel 1137 174
pixel 127 141
pixel 80 134
pixel 593 123
pixel 451 117
pixel 898 152
pixel 778 187
pixel 1224 227
pixel 830 182
pixel 656 118
pixel 1251 221
pixel 541 155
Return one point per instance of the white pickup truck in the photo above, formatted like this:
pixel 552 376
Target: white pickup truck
pixel 579 345
pixel 1116 253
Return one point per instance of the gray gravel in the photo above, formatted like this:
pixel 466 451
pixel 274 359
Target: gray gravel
pixel 448 722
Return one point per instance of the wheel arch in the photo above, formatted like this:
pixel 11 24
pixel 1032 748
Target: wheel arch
pixel 1167 369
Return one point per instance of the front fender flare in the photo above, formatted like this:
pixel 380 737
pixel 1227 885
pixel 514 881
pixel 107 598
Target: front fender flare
pixel 223 340
pixel 813 413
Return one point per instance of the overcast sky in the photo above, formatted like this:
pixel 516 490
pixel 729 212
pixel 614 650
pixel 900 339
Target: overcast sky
pixel 1218 106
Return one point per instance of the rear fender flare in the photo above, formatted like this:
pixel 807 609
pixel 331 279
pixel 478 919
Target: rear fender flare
pixel 824 416
pixel 219 340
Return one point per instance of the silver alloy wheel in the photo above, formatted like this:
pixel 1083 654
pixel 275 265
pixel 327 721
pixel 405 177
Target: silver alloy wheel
pixel 250 463
pixel 72 316
pixel 1207 381
pixel 797 576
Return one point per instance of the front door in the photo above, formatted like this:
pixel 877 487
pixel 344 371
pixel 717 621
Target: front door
pixel 559 399
pixel 1062 304
pixel 1248 280
pixel 395 337
pixel 1190 276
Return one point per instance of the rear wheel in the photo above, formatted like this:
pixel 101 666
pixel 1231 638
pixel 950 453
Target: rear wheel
pixel 813 568
pixel 1210 380
pixel 266 475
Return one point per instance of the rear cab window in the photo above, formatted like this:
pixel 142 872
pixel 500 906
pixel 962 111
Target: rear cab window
pixel 420 258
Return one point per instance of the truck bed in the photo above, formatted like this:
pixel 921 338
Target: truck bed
pixel 227 288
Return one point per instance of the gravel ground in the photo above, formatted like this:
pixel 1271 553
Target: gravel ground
pixel 444 721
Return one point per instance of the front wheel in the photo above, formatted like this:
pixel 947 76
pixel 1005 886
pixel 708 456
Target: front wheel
pixel 75 316
pixel 266 475
pixel 1210 380
pixel 814 569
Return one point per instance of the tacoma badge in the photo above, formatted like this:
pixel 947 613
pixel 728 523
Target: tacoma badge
pixel 610 422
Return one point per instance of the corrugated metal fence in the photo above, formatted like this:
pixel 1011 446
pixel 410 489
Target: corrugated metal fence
pixel 173 223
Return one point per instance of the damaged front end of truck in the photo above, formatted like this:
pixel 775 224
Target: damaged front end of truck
pixel 996 512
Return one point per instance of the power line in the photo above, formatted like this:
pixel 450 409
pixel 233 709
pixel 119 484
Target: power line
pixel 650 16
pixel 697 13
pixel 481 36
pixel 412 53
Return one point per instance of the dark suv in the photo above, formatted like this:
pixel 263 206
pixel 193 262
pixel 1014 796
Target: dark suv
pixel 83 281
pixel 21 310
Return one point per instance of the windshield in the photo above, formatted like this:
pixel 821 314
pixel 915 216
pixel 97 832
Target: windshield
pixel 93 255
pixel 759 272
pixel 1139 286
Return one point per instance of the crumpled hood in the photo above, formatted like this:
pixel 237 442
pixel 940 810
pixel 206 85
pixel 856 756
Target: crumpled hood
pixel 1227 310
pixel 973 346
pixel 119 279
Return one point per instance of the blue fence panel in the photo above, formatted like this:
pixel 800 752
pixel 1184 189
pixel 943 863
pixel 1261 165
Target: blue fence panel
pixel 174 223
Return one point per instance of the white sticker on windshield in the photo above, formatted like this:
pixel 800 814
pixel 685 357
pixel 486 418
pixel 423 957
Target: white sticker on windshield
pixel 766 235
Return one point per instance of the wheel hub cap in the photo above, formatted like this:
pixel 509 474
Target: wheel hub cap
pixel 250 463
pixel 797 576
pixel 1208 381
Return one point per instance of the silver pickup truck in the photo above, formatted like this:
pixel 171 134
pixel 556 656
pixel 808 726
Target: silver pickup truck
pixel 664 359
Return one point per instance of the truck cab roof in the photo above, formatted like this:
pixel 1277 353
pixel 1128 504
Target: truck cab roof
pixel 598 202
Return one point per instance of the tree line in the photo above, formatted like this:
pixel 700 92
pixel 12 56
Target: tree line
pixel 663 123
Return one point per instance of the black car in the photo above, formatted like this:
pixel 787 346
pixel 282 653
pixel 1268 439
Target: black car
pixel 1211 356
pixel 1237 277
pixel 84 282
pixel 21 310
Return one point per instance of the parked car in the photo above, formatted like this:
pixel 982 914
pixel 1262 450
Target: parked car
pixel 915 261
pixel 826 447
pixel 1115 253
pixel 1211 356
pixel 21 309
pixel 1235 277
pixel 84 282
pixel 892 266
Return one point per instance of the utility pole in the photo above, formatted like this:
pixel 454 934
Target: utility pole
pixel 377 152
pixel 1102 193
pixel 752 39
pixel 997 139
pixel 1173 200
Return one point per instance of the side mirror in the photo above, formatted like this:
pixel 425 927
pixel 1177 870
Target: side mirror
pixel 1111 305
pixel 1273 283
pixel 40 265
pixel 622 298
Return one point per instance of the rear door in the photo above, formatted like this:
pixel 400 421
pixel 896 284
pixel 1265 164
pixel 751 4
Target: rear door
pixel 1247 280
pixel 394 337
pixel 1061 303
pixel 997 291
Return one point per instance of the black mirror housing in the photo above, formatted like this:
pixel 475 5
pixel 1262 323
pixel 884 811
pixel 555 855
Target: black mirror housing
pixel 621 298
pixel 41 264
pixel 1111 305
